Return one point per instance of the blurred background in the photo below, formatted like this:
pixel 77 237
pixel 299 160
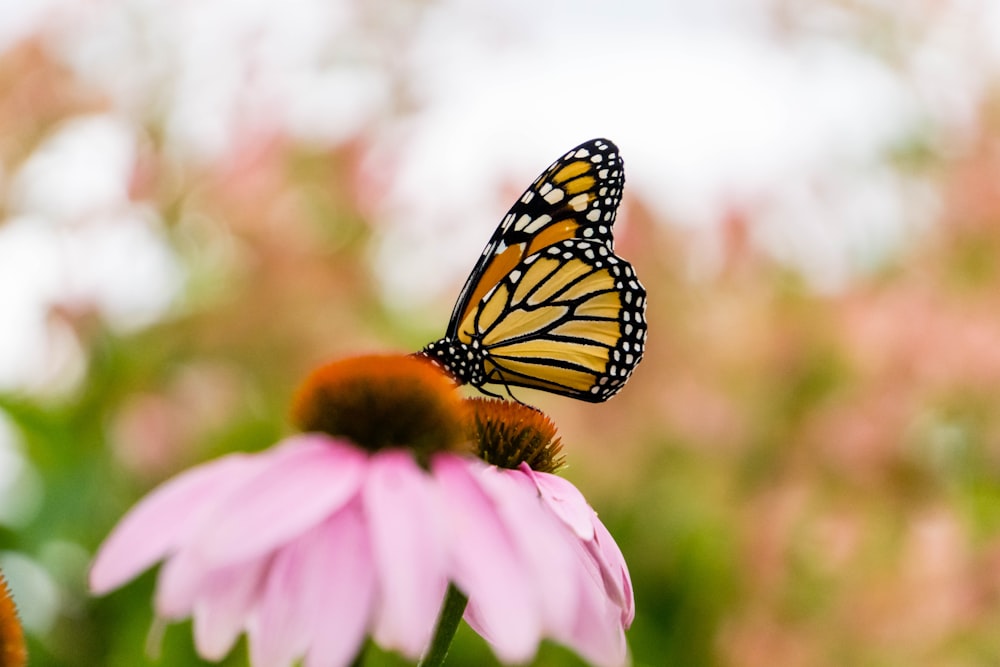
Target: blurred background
pixel 200 201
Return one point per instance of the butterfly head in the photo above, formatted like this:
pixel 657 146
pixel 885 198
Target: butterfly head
pixel 462 361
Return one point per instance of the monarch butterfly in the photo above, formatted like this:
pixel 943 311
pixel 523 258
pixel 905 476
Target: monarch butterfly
pixel 549 305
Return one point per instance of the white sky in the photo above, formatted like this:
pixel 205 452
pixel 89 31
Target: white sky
pixel 709 109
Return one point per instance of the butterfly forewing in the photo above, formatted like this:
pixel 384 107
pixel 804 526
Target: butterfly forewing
pixel 577 196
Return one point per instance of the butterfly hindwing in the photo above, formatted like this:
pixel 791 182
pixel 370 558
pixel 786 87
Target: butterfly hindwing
pixel 569 319
pixel 549 305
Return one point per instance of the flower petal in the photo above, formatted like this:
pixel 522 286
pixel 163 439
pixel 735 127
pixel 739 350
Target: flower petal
pixel 318 596
pixel 565 501
pixel 277 635
pixel 163 519
pixel 598 635
pixel 181 582
pixel 307 479
pixel 614 571
pixel 486 564
pixel 223 606
pixel 408 551
pixel 544 542
pixel 343 589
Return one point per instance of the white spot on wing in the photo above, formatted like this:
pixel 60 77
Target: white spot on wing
pixel 553 196
pixel 536 224
pixel 579 202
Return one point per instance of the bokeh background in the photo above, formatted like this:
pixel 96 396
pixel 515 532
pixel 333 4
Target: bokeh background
pixel 200 201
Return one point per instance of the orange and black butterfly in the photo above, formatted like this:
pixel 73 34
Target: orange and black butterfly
pixel 549 305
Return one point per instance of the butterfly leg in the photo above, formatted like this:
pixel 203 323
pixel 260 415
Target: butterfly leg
pixel 515 398
pixel 506 388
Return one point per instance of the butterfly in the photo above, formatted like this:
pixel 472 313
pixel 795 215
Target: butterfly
pixel 549 305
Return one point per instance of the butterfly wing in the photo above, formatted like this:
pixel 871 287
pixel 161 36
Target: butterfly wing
pixel 549 305
pixel 569 319
pixel 577 197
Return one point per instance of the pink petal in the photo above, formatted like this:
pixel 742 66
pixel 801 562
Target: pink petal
pixel 307 479
pixel 223 606
pixel 565 501
pixel 544 543
pixel 318 596
pixel 180 583
pixel 569 504
pixel 277 635
pixel 614 571
pixel 585 618
pixel 164 519
pixel 598 635
pixel 408 551
pixel 486 565
pixel 343 591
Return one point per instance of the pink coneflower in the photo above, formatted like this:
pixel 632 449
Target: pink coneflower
pixel 361 526
pixel 586 592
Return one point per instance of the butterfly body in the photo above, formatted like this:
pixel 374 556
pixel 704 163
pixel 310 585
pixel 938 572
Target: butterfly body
pixel 549 305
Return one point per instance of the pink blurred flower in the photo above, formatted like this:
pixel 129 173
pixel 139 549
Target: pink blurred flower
pixel 315 544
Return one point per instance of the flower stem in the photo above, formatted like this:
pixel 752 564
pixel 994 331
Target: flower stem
pixel 451 615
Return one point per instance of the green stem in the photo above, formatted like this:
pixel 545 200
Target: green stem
pixel 451 616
